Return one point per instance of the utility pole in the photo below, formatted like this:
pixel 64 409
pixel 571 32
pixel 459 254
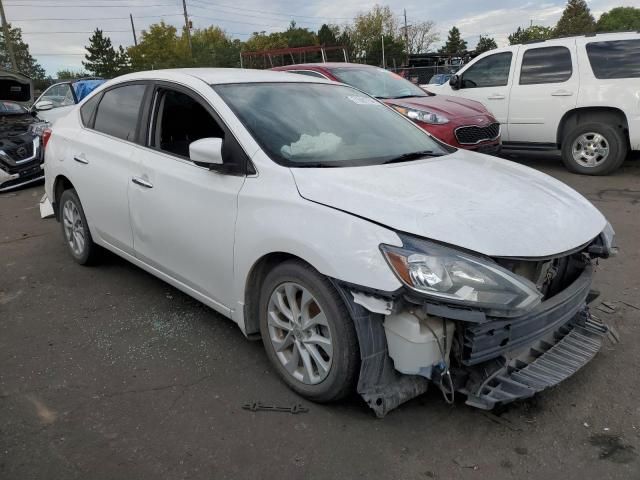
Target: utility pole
pixel 186 25
pixel 133 29
pixel 7 39
pixel 406 36
pixel 384 63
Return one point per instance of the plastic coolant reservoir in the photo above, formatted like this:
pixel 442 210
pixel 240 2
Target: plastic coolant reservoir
pixel 412 346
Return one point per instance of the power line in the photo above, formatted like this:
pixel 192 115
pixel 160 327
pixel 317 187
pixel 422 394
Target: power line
pixel 43 5
pixel 93 18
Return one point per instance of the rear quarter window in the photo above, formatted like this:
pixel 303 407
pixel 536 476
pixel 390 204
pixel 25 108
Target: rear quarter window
pixel 615 59
pixel 88 109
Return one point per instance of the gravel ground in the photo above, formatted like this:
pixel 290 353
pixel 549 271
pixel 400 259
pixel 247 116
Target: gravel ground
pixel 107 372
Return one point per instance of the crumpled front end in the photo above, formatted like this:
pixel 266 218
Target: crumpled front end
pixel 409 341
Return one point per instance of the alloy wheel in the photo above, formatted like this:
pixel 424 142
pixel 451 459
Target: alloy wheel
pixel 73 227
pixel 299 333
pixel 590 149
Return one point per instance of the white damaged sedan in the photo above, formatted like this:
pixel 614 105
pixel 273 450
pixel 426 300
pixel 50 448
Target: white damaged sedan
pixel 364 253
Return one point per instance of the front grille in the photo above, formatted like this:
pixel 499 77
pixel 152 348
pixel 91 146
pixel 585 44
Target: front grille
pixel 20 152
pixel 473 134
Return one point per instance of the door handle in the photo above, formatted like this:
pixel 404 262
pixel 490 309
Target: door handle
pixel 142 182
pixel 496 96
pixel 561 93
pixel 81 159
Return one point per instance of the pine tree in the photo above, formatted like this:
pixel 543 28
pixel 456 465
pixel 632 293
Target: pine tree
pixel 485 44
pixel 576 20
pixel 26 63
pixel 455 43
pixel 101 58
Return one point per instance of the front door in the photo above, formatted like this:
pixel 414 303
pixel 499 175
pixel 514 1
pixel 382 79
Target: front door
pixel 183 215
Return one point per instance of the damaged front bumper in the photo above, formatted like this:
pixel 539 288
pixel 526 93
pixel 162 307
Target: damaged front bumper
pixel 493 361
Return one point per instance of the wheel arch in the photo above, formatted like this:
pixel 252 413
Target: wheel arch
pixel 60 184
pixel 256 275
pixel 579 115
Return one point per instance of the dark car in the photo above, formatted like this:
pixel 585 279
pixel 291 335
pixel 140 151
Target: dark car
pixel 20 131
pixel 458 122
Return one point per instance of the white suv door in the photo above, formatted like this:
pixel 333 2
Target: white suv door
pixel 182 214
pixel 545 87
pixel 488 80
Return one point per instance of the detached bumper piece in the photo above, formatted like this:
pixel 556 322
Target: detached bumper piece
pixel 543 366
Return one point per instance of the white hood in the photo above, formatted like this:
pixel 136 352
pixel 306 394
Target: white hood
pixel 481 203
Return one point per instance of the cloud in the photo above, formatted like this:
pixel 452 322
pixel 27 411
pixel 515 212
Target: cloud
pixel 55 51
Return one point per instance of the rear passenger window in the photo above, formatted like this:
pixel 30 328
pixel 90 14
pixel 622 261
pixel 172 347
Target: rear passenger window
pixel 546 65
pixel 119 110
pixel 615 59
pixel 87 110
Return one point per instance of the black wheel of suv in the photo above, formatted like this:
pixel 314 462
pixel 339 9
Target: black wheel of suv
pixel 75 229
pixel 594 148
pixel 308 333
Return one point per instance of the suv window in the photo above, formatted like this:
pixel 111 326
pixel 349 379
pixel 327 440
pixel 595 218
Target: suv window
pixel 546 65
pixel 60 95
pixel 491 71
pixel 119 110
pixel 615 59
pixel 181 120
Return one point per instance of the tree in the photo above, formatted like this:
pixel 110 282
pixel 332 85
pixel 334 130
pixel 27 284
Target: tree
pixel 213 48
pixel 328 35
pixel 70 74
pixel 26 63
pixel 160 47
pixel 575 20
pixel 620 19
pixel 455 43
pixel 365 37
pixel 299 37
pixel 485 44
pixel 102 60
pixel 532 33
pixel 421 37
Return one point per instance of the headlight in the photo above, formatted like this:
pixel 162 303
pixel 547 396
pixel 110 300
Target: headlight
pixel 38 128
pixel 424 116
pixel 454 276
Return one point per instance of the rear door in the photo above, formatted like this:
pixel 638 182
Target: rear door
pixel 544 89
pixel 183 215
pixel 103 162
pixel 489 80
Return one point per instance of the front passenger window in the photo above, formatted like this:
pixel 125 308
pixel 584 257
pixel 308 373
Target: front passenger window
pixel 491 71
pixel 182 120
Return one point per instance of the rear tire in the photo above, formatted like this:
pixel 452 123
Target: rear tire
pixel 75 229
pixel 594 148
pixel 307 332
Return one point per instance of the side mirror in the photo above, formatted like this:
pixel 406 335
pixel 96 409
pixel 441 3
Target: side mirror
pixel 454 82
pixel 43 105
pixel 206 152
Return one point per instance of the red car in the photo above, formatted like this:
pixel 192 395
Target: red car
pixel 457 121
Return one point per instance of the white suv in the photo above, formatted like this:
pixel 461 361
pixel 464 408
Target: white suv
pixel 579 94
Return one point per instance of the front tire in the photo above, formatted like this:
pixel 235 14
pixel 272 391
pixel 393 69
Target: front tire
pixel 308 333
pixel 75 229
pixel 594 148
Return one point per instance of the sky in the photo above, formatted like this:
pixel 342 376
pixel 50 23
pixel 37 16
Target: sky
pixel 57 30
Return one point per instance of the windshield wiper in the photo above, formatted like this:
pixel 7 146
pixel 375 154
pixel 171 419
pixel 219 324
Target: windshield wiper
pixel 314 165
pixel 399 97
pixel 405 157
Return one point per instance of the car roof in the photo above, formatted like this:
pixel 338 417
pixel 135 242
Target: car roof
pixel 218 76
pixel 325 65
